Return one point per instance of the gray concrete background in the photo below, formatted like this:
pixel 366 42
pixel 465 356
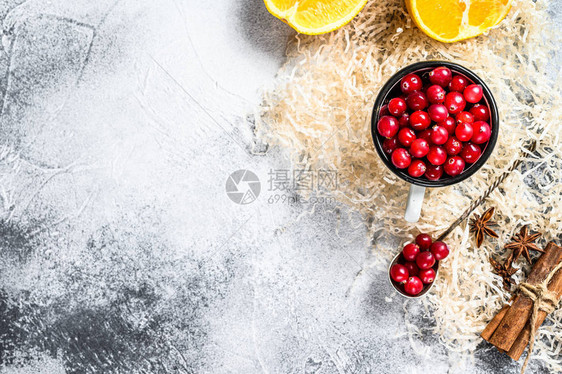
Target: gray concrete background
pixel 120 251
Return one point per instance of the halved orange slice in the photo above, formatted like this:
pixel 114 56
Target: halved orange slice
pixel 453 20
pixel 314 17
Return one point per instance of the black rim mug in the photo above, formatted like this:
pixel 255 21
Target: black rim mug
pixel 418 185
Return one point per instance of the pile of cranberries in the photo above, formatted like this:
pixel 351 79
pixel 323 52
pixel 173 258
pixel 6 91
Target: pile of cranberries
pixel 416 265
pixel 438 124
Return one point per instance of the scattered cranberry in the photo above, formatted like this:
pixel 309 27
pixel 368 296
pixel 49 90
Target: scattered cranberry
pixel 436 155
pixel 482 132
pixel 425 135
pixel 387 126
pixel 449 124
pixel 458 83
pixel 423 241
pixel 437 112
pixel 410 251
pixel 417 168
pixel 404 120
pixel 427 276
pixel 413 286
pixel 473 93
pixel 406 136
pixel 440 250
pixel 425 260
pixel 420 120
pixel 419 148
pixel 413 269
pixel 441 76
pixel 453 146
pixel 465 117
pixel 471 153
pixel 455 102
pixel 397 106
pixel 435 94
pixel 439 135
pixel 454 166
pixel 399 273
pixel 401 158
pixel 464 131
pixel 411 83
pixel 480 112
pixel 389 145
pixel 416 100
pixel 434 172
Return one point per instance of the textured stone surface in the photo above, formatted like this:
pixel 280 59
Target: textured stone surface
pixel 120 251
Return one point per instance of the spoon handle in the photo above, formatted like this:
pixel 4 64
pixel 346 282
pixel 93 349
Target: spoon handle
pixel 529 148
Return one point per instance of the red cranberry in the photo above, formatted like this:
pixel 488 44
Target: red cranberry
pixel 471 153
pixel 425 260
pixel 406 136
pixel 427 276
pixel 480 112
pixel 410 251
pixel 416 100
pixel 439 135
pixel 388 126
pixel 440 76
pixel 401 158
pixel 454 102
pixel 434 172
pixel 440 250
pixel 458 83
pixel 404 120
pixel 399 273
pixel 464 117
pixel 454 166
pixel 413 286
pixel 473 93
pixel 417 168
pixel 425 135
pixel 390 144
pixel 423 241
pixel 384 111
pixel 435 94
pixel 420 120
pixel 437 112
pixel 464 131
pixel 436 155
pixel 419 148
pixel 449 124
pixel 397 106
pixel 453 146
pixel 410 83
pixel 482 132
pixel 413 269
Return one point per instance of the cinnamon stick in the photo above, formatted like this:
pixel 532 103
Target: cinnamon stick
pixel 494 323
pixel 517 315
pixel 522 340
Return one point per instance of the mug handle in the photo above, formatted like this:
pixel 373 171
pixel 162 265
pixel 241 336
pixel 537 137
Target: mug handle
pixel 414 204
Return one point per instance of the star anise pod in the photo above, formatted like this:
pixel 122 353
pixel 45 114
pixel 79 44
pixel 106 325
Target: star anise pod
pixel 480 226
pixel 505 271
pixel 523 243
